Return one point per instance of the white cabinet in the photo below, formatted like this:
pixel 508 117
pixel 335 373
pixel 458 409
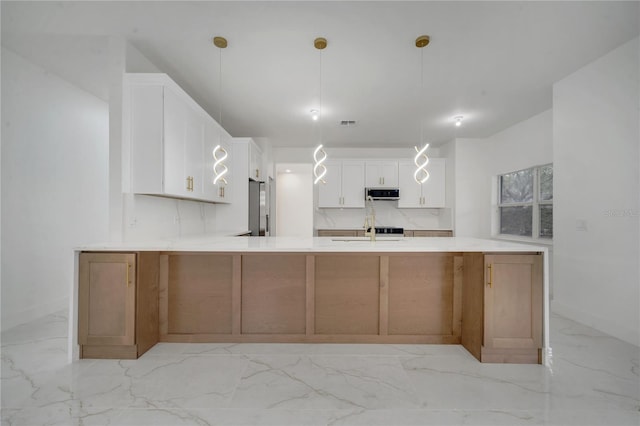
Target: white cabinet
pixel 170 139
pixel 381 174
pixel 344 187
pixel 430 194
pixel 255 162
pixel 183 145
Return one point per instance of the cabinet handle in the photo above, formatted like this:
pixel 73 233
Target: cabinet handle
pixel 257 173
pixel 128 282
pixel 383 181
pixel 490 275
pixel 188 183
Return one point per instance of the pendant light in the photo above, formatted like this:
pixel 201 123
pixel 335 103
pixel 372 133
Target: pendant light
pixel 219 153
pixel 421 160
pixel 319 154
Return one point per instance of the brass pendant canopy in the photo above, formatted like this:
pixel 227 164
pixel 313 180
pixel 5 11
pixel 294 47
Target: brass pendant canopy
pixel 422 41
pixel 220 42
pixel 320 43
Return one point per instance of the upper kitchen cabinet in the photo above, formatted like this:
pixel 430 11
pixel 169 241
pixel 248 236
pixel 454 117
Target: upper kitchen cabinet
pixel 170 140
pixel 431 194
pixel 381 174
pixel 255 162
pixel 344 187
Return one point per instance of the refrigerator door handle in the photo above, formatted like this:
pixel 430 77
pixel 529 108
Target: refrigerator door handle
pixel 267 224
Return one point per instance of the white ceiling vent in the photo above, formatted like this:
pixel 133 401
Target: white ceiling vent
pixel 348 123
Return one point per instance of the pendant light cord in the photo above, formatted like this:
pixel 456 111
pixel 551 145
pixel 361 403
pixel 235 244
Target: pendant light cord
pixel 220 85
pixel 320 119
pixel 421 96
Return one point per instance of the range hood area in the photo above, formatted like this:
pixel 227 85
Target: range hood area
pixel 382 193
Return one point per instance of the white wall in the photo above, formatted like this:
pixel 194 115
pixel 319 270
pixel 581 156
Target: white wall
pixel 54 185
pixel 477 162
pixel 294 202
pixel 596 184
pixel 472 188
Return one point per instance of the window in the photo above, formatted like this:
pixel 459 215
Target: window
pixel 525 202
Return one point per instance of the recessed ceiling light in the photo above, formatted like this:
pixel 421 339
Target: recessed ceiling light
pixel 314 114
pixel 458 120
pixel 288 171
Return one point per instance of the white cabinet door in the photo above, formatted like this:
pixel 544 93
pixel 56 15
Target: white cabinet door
pixel 389 172
pixel 410 190
pixel 430 194
pixel 433 190
pixel 143 129
pixel 255 162
pixel 194 154
pixel 330 192
pixel 353 184
pixel 176 180
pixel 381 174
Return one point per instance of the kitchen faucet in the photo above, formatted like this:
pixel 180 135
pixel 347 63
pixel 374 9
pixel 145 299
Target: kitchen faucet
pixel 370 219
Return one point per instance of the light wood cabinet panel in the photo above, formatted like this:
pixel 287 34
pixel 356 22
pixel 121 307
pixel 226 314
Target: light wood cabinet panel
pixel 117 304
pixel 107 296
pixel 473 303
pixel 274 294
pixel 513 301
pixel 421 294
pixel 431 233
pixel 199 288
pixel 347 294
pixel 337 233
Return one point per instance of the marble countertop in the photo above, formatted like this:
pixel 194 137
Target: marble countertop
pixel 360 228
pixel 388 244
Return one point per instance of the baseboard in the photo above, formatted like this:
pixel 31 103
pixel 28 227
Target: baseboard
pixel 620 331
pixel 10 320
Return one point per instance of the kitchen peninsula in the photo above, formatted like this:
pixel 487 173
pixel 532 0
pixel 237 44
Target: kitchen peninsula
pixel 489 296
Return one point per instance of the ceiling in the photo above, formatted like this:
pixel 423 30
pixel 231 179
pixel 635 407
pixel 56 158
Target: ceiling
pixel 492 62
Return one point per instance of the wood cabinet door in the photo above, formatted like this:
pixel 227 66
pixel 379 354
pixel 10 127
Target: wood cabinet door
pixel 106 299
pixel 513 301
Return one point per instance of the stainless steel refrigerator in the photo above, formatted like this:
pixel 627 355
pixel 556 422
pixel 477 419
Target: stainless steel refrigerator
pixel 258 208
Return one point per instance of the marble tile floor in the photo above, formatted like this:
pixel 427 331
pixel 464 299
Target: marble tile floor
pixel 594 380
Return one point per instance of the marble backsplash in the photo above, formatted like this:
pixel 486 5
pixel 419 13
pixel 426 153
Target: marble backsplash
pixel 387 214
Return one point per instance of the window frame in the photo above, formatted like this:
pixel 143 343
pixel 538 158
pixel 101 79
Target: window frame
pixel 535 204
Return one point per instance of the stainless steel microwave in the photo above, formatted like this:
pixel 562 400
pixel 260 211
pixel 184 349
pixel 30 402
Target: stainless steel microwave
pixel 382 193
